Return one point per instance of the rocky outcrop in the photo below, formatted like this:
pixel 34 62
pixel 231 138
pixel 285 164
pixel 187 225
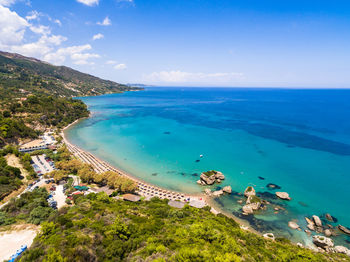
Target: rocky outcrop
pixel 293 225
pixel 317 221
pixel 210 177
pixel 227 189
pixel 344 229
pixel 249 191
pixel 322 242
pixel 253 204
pixel 269 236
pixel 283 195
pixel 310 224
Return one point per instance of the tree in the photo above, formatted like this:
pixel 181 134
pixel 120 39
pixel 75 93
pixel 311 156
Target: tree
pixel 54 256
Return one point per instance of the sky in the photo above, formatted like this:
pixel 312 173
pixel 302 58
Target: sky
pixel 237 43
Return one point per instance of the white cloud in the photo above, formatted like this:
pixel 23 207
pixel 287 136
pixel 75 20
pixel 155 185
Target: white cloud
pixel 98 36
pixel 33 15
pixel 111 62
pixel 77 54
pixel 120 67
pixel 7 2
pixel 40 48
pixel 56 21
pixel 41 29
pixel 12 27
pixel 187 77
pixel 105 22
pixel 89 2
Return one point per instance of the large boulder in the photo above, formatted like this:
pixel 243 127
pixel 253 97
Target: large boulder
pixel 227 189
pixel 249 191
pixel 247 210
pixel 283 195
pixel 317 221
pixel 322 242
pixel 208 180
pixel 344 229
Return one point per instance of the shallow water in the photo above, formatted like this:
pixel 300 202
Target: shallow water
pixel 297 139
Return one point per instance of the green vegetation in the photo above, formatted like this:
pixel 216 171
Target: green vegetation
pixel 31 207
pixel 99 228
pixel 24 75
pixel 210 173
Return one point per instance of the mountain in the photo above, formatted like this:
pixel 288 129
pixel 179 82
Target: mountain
pixel 20 74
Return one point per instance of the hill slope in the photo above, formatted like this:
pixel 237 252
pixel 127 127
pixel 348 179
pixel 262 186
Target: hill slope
pixel 21 74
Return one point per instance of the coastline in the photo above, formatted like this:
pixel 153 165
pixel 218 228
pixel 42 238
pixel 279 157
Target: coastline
pixel 145 189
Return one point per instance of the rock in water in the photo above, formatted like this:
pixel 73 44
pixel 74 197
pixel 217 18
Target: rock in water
pixel 293 225
pixel 329 218
pixel 247 210
pixel 218 193
pixel 283 195
pixel 249 191
pixel 227 189
pixel 344 229
pixel 327 233
pixel 317 221
pixel 322 242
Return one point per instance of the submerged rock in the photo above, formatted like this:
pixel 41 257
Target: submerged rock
pixel 293 225
pixel 273 186
pixel 249 191
pixel 283 195
pixel 322 242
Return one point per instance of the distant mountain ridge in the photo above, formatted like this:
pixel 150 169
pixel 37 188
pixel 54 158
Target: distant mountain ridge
pixel 32 75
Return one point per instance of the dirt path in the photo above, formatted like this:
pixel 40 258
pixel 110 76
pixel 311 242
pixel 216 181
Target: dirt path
pixel 11 241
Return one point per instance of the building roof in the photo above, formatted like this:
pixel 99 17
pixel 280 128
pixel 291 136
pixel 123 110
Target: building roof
pixel 131 197
pixel 176 204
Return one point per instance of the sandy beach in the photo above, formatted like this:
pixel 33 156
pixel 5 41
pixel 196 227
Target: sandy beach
pixel 144 189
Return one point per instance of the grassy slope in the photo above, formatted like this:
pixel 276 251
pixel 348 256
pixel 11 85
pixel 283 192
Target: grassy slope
pixel 102 229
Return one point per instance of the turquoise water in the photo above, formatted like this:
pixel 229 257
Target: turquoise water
pixel 297 139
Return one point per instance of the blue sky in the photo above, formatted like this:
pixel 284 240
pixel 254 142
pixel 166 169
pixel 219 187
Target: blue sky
pixel 187 42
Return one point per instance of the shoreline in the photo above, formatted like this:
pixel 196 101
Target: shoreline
pixel 147 189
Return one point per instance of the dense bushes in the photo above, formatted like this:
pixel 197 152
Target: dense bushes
pixel 99 228
pixel 31 207
pixel 10 178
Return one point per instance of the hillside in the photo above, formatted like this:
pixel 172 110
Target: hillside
pixel 20 74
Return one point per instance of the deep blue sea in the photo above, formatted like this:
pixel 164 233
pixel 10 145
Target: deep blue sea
pixel 297 139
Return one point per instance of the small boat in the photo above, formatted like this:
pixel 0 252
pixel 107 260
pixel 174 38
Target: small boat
pixel 200 156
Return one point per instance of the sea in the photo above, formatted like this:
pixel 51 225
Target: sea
pixel 295 139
